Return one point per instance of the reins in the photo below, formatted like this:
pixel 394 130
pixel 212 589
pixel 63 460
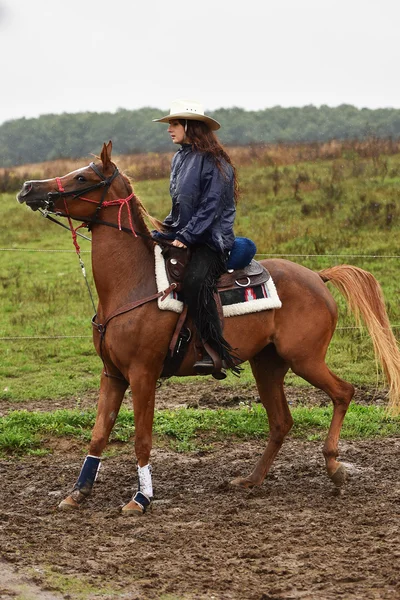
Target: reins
pixel 121 202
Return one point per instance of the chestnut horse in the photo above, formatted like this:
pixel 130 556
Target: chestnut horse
pixel 135 343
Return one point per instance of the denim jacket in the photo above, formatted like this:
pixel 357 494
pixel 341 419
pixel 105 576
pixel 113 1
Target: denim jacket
pixel 203 206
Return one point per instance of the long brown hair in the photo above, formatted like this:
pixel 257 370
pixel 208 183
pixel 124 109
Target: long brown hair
pixel 204 140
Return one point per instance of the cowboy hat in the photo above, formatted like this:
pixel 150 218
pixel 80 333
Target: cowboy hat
pixel 189 109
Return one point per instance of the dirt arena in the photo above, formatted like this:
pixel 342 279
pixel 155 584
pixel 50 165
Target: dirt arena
pixel 295 537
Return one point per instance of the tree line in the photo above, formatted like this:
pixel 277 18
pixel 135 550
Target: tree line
pixel 51 137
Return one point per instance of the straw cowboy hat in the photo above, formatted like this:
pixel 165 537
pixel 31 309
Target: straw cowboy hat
pixel 188 109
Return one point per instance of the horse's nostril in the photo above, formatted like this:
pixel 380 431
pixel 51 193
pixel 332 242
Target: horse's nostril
pixel 26 188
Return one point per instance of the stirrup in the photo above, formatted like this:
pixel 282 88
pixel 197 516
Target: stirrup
pixel 206 366
pixel 219 375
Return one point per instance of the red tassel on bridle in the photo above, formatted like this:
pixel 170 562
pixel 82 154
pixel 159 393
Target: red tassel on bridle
pixel 121 202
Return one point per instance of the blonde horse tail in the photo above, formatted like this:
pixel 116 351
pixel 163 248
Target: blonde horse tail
pixel 365 300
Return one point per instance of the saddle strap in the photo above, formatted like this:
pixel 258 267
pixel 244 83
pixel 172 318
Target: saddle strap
pixel 131 306
pixel 215 357
pixel 220 309
pixel 179 325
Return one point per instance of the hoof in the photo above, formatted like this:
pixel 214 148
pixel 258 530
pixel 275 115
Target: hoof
pixel 242 482
pixel 339 476
pixel 68 504
pixel 132 509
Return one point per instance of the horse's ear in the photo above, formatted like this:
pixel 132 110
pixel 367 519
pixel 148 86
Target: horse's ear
pixel 106 154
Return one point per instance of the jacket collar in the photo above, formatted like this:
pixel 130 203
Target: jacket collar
pixel 185 148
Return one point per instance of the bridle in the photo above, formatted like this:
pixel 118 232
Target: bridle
pixel 104 182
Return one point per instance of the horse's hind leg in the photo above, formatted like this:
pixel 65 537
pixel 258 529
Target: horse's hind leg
pixel 341 393
pixel 269 371
pixel 112 391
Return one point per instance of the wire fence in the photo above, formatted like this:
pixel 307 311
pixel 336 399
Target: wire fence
pixel 41 250
pixel 258 255
pixel 331 255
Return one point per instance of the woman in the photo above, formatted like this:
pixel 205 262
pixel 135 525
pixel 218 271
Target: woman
pixel 204 192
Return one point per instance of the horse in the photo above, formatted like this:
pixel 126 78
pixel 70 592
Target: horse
pixel 132 335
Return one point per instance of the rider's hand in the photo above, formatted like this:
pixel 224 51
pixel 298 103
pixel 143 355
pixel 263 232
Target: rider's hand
pixel 178 244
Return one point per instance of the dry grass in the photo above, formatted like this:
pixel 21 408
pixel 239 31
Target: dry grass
pixel 141 167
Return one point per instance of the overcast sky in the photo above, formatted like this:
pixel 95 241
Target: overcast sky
pixel 79 55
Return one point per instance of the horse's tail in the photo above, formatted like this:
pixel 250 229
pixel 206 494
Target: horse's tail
pixel 365 299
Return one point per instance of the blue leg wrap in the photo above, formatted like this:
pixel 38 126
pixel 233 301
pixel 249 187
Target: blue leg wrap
pixel 143 501
pixel 87 475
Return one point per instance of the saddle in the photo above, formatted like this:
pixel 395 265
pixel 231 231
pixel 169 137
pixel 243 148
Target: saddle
pixel 176 261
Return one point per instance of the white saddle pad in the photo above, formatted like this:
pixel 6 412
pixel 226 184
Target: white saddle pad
pixel 269 301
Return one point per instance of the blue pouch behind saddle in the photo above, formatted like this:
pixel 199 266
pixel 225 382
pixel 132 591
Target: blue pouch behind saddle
pixel 242 253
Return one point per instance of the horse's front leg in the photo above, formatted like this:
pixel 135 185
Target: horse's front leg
pixel 112 391
pixel 143 395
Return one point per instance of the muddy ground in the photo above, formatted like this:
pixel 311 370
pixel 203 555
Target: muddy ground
pixel 293 538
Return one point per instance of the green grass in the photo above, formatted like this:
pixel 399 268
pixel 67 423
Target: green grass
pixel 80 588
pixel 344 206
pixel 23 432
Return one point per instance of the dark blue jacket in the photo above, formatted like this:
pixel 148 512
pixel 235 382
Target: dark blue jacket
pixel 203 205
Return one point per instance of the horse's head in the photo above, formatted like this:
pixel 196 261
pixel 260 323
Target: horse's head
pixel 64 195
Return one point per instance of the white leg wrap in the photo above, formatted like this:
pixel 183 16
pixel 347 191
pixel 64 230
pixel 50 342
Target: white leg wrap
pixel 145 481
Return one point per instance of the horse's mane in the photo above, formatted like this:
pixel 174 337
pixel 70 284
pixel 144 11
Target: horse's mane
pixel 140 213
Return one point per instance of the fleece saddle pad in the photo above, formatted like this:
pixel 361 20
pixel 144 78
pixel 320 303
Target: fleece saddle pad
pixel 238 301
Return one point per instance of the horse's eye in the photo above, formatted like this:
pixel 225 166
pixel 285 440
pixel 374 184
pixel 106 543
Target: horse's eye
pixel 81 178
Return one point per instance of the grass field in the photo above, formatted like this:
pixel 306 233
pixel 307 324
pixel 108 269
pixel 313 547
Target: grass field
pixel 23 432
pixel 318 213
